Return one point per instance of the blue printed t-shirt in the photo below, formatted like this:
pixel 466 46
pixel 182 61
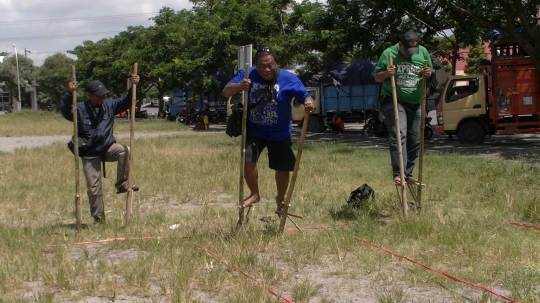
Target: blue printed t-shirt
pixel 271 118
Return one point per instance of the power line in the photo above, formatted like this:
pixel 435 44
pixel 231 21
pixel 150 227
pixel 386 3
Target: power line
pixel 75 19
pixel 58 36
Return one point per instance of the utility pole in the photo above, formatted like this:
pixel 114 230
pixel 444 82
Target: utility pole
pixel 26 51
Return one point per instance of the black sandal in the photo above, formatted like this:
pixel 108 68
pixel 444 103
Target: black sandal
pixel 124 189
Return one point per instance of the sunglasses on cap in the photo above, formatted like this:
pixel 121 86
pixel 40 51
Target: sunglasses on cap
pixel 264 50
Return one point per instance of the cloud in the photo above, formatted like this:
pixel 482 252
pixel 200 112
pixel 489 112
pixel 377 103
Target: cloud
pixel 22 23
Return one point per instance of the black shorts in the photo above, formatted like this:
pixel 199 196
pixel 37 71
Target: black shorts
pixel 280 154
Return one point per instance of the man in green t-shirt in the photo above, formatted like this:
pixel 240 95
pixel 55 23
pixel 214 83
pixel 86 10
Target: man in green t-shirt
pixel 408 61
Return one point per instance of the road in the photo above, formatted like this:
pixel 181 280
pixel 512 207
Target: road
pixel 10 144
pixel 525 147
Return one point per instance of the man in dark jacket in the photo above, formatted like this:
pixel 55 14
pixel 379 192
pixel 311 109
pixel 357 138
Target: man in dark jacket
pixel 95 126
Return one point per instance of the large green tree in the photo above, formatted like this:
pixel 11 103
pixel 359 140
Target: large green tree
pixel 99 61
pixel 27 76
pixel 443 31
pixel 53 77
pixel 476 53
pixel 515 19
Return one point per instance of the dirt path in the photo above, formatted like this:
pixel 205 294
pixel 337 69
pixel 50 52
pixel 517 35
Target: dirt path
pixel 510 147
pixel 9 144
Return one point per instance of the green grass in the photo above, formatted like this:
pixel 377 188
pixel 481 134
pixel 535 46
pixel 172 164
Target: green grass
pixel 192 180
pixel 43 123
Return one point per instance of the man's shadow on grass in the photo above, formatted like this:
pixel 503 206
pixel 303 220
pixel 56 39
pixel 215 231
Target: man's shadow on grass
pixel 74 226
pixel 345 213
pixel 71 226
pixel 348 213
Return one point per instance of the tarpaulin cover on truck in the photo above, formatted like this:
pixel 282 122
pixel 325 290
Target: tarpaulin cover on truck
pixel 359 72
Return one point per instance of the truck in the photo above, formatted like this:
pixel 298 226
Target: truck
pixel 346 89
pixel 504 100
pixel 184 99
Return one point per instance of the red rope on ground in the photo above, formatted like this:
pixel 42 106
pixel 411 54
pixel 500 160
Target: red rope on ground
pixel 113 240
pixel 523 225
pixel 440 272
pixel 275 294
pixel 282 298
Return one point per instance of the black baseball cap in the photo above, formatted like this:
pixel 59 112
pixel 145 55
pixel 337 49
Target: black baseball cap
pixel 263 52
pixel 97 88
pixel 411 41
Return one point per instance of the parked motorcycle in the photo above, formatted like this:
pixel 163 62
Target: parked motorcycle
pixel 185 118
pixel 141 114
pixel 375 127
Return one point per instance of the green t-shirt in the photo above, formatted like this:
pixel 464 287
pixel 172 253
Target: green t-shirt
pixel 408 74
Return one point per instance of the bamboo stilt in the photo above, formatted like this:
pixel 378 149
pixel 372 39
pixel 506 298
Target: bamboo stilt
pixel 284 212
pixel 418 197
pixel 78 206
pixel 131 142
pixel 243 154
pixel 398 138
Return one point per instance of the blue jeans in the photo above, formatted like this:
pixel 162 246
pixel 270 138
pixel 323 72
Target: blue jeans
pixel 409 125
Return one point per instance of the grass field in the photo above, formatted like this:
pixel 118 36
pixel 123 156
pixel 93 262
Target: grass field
pixel 42 123
pixel 190 182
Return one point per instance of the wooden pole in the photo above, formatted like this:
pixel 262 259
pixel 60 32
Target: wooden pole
pixel 398 138
pixel 131 141
pixel 422 130
pixel 243 152
pixel 78 211
pixel 285 207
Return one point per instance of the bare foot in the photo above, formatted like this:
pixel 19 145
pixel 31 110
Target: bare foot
pixel 252 199
pixel 397 181
pixel 413 181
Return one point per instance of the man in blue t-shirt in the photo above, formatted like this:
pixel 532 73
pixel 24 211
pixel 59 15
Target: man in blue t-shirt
pixel 270 91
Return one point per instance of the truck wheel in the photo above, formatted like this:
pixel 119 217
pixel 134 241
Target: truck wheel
pixel 471 132
pixel 315 125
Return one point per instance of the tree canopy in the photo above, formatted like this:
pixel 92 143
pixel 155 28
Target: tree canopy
pixel 187 48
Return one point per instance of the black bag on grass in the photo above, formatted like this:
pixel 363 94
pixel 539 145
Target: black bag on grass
pixel 361 195
pixel 234 122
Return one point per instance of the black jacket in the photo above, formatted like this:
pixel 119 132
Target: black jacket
pixel 100 127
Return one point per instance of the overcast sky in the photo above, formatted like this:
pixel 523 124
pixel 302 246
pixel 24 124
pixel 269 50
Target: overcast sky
pixel 45 27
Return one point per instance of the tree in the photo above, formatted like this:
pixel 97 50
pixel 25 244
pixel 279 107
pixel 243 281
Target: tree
pixel 448 50
pixel 516 19
pixel 96 61
pixel 159 49
pixel 53 77
pixel 476 53
pixel 27 74
pixel 443 31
